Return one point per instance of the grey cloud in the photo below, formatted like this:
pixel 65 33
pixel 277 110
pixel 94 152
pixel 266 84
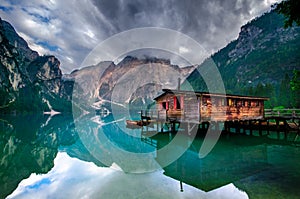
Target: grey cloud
pixel 212 23
pixel 76 27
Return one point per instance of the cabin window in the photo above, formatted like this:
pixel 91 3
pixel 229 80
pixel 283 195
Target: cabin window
pixel 213 101
pixel 208 101
pixel 244 103
pixel 218 102
pixel 204 100
pixel 257 103
pixel 238 103
pixel 222 102
pixel 181 102
pixel 230 102
pixel 176 103
pixel 165 105
pixel 235 102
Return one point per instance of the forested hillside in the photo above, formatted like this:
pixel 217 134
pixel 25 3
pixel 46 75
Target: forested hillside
pixel 261 61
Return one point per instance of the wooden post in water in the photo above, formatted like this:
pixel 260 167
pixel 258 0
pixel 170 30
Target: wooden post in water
pixel 228 126
pixel 250 127
pixel 268 127
pixel 243 126
pixel 277 127
pixel 147 127
pixel 237 127
pixel 259 127
pixel 246 126
pixel 173 126
pixel 181 187
pixel 286 129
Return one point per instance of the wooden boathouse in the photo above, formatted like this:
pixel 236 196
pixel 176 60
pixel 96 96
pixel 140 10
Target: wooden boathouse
pixel 244 114
pixel 200 107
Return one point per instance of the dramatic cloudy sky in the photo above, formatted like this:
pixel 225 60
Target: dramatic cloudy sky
pixel 70 29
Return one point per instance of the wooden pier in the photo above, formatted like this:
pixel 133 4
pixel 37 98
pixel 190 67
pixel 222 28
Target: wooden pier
pixel 279 125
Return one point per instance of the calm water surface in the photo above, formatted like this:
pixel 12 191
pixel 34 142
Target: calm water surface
pixel 93 157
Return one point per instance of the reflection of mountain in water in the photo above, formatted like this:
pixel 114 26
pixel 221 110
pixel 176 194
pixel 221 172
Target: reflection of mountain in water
pixel 30 146
pixel 110 142
pixel 30 143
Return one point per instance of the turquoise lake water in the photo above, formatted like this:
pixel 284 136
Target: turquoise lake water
pixel 94 157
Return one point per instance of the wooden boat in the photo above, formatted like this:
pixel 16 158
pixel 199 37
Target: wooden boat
pixel 134 123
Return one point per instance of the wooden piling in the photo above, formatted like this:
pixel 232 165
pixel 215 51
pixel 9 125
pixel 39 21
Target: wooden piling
pixel 259 127
pixel 250 127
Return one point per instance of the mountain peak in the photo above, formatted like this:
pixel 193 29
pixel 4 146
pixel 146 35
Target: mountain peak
pixel 16 41
pixel 145 59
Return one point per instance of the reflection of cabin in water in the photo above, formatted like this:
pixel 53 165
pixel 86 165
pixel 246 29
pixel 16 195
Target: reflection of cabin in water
pixel 202 106
pixel 226 164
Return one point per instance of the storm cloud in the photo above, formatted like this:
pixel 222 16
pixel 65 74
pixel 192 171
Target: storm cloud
pixel 71 29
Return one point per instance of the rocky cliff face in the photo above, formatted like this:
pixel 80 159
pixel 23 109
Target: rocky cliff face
pixel 139 79
pixel 131 81
pixel 263 53
pixel 11 76
pixel 27 80
pixel 18 42
pixel 45 71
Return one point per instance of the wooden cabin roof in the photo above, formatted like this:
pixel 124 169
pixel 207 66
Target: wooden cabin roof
pixel 198 93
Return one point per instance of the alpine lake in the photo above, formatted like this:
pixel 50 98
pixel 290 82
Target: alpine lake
pixel 97 156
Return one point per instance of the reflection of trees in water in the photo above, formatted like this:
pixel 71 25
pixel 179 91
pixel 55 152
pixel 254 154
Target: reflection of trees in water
pixel 29 146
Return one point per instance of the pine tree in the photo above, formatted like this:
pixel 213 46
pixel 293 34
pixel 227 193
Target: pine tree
pixel 270 92
pixel 285 92
pixel 291 10
pixel 295 87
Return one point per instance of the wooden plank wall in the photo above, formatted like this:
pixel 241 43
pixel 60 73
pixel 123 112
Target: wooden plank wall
pixel 215 109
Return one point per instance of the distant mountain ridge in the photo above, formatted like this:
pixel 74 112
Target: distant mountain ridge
pixel 259 61
pixel 131 81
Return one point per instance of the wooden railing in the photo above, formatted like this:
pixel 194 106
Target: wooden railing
pixel 155 114
pixel 282 112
